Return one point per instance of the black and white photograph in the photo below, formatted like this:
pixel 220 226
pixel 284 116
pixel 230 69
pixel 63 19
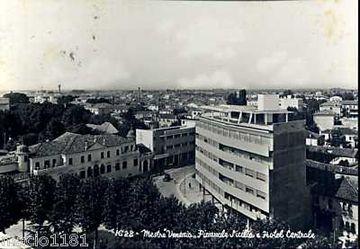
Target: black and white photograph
pixel 179 124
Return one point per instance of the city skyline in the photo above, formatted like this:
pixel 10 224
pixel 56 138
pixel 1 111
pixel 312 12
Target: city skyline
pixel 178 45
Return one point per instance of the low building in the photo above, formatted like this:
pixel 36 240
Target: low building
pixel 85 156
pixel 350 108
pixel 335 208
pixel 333 107
pixel 99 109
pixel 291 102
pixel 324 120
pixel 172 146
pixel 336 99
pixel 351 123
pixel 4 104
pixel 314 139
pixel 166 120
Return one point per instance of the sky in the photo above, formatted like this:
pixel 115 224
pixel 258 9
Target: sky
pixel 123 44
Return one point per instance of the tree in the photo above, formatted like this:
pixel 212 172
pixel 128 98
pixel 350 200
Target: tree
pixel 90 205
pixel 8 202
pixel 237 98
pixel 54 129
pixel 63 217
pixel 41 198
pixel 16 98
pixel 66 99
pixel 98 100
pixel 347 96
pixel 287 93
pixel 116 199
pixel 74 115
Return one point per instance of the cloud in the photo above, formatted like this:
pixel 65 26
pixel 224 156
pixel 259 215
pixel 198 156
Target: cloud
pixel 268 64
pixel 283 70
pixel 218 38
pixel 216 79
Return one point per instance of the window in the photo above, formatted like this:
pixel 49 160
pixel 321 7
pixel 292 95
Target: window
pixel 135 162
pixel 108 168
pixel 126 149
pixel 47 164
pixel 239 185
pixel 108 154
pixel 102 155
pixel 37 165
pixel 261 194
pixel 117 152
pixel 102 169
pixel 124 165
pixel 249 190
pixel 117 166
pixel 260 176
pixel 89 157
pixel 82 159
pixel 54 162
pixel 239 168
pixel 249 172
pixel 352 229
pixel 70 161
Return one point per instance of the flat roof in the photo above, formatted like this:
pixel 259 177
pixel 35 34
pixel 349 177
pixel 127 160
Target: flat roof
pixel 247 108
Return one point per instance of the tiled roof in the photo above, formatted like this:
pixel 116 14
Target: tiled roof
pixel 329 104
pixel 349 102
pixel 70 143
pixel 106 127
pixel 336 151
pixel 313 135
pixel 324 113
pixel 344 170
pixel 343 188
pixel 143 149
pixel 8 159
pixel 347 190
pixel 167 116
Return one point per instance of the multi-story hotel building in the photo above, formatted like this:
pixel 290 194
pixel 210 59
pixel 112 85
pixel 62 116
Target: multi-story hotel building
pixel 82 155
pixel 251 159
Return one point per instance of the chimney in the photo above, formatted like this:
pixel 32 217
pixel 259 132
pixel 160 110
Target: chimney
pixel 86 145
pixel 104 142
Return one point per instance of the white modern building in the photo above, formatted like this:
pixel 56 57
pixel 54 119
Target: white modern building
pixel 252 160
pixel 172 146
pixel 289 101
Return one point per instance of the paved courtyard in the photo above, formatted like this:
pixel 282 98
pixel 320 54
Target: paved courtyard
pixel 183 185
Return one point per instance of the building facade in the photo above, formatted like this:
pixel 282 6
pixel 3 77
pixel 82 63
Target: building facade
pixel 350 108
pixel 252 160
pixel 172 146
pixel 85 156
pixel 288 101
